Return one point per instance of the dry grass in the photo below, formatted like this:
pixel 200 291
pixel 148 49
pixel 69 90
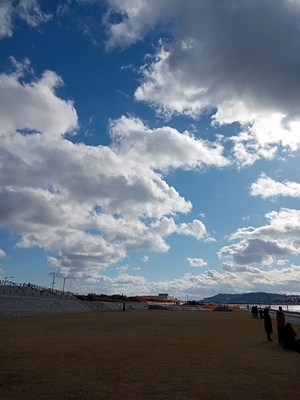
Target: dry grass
pixel 159 355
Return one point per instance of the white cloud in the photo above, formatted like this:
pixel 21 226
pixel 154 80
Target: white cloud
pixel 124 280
pixel 195 228
pixel 222 59
pixel 91 205
pixel 2 253
pixel 27 10
pixel 230 267
pixel 267 187
pixel 122 269
pixel 264 244
pixel 163 148
pixel 34 105
pixel 135 268
pixel 282 262
pixel 52 207
pixel 138 17
pixel 233 280
pixel 6 10
pixel 197 262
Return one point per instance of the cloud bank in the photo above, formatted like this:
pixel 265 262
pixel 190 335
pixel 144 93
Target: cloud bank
pixel 233 62
pixel 237 61
pixel 91 205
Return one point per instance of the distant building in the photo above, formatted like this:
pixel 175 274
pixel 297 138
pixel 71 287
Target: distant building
pixel 160 297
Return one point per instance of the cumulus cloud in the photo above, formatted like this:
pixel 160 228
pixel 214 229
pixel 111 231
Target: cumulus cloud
pixel 282 262
pixel 137 19
pixel 195 228
pixel 197 286
pixel 267 187
pixel 34 105
pixel 231 267
pixel 232 279
pixel 133 284
pixel 264 244
pixel 220 58
pixel 279 280
pixel 164 148
pixel 197 262
pixel 91 205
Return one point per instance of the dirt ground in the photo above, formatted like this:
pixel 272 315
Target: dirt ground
pixel 163 355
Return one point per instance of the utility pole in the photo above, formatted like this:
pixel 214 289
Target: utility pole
pixel 53 281
pixel 64 285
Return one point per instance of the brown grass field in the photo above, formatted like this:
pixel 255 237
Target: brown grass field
pixel 163 355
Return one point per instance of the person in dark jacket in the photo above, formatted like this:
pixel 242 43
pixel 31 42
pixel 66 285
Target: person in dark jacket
pixel 268 324
pixel 280 320
pixel 289 339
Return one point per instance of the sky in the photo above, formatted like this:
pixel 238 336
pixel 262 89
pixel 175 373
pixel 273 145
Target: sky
pixel 150 146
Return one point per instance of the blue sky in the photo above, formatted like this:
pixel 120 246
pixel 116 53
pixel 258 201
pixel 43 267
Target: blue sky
pixel 150 146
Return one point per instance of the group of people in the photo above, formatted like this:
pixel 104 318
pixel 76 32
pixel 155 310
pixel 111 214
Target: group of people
pixel 254 311
pixel 286 333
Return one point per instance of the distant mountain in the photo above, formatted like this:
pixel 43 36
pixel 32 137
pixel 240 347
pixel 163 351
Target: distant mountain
pixel 252 297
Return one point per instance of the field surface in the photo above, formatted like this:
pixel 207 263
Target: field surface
pixel 161 355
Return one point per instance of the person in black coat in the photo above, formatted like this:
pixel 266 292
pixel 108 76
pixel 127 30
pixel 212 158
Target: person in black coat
pixel 289 339
pixel 268 324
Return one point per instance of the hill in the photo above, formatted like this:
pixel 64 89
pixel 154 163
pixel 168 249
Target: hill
pixel 252 297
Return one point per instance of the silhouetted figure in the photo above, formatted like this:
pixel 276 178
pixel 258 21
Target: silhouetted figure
pixel 254 311
pixel 289 337
pixel 268 324
pixel 280 321
pixel 124 305
pixel 261 313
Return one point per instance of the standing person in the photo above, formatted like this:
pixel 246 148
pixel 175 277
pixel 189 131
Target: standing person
pixel 268 324
pixel 289 339
pixel 280 321
pixel 124 305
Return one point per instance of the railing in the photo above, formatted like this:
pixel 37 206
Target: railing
pixel 11 283
pixel 41 290
pixel 5 282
